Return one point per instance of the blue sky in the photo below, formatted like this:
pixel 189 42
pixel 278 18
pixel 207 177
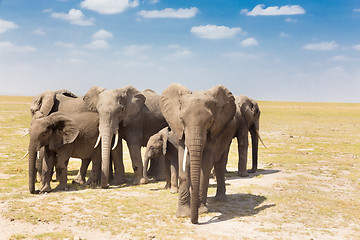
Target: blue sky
pixel 269 50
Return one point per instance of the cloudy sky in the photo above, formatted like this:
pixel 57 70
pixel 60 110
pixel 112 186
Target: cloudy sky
pixel 283 50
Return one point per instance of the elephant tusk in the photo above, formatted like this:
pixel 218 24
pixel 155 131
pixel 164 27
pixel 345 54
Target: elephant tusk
pixel 184 159
pixel 116 140
pixel 27 153
pixel 258 134
pixel 97 141
pixel 25 134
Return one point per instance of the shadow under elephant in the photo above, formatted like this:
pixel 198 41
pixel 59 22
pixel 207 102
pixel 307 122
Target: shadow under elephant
pixel 259 172
pixel 237 205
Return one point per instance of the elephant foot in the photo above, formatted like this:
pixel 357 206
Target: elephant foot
pixel 174 190
pixel 203 209
pixel 167 185
pixel 221 198
pixel 243 174
pixel 78 181
pixel 252 170
pixel 183 211
pixel 138 180
pixel 118 181
pixel 45 188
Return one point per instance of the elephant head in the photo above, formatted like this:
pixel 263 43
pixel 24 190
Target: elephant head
pixel 42 104
pixel 156 146
pixel 197 116
pixel 251 114
pixel 115 107
pixel 53 131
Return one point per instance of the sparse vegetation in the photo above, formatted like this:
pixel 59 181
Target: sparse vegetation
pixel 308 186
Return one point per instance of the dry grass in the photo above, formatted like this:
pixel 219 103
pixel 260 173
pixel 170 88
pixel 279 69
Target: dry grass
pixel 308 185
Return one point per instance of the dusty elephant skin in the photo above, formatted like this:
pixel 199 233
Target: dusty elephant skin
pixel 63 136
pixel 135 115
pixel 196 118
pixel 164 144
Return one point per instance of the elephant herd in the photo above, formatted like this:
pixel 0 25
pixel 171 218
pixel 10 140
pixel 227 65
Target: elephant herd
pixel 190 131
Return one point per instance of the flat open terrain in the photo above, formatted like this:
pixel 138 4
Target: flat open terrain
pixel 308 186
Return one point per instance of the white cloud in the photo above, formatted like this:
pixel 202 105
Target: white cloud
pixel 290 20
pixel 284 35
pixel 341 58
pixel 170 13
pixel 215 32
pixel 6 25
pixel 259 10
pixel 109 6
pixel 357 10
pixel 357 47
pixel 249 42
pixel 102 34
pixel 75 17
pixel 154 1
pixel 97 45
pixel 135 50
pixel 323 46
pixel 11 47
pixel 64 45
pixel 39 31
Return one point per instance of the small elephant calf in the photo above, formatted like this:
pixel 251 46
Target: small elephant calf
pixel 164 144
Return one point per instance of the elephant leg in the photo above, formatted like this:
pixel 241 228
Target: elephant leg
pixel 167 173
pixel 61 166
pixel 117 159
pixel 160 170
pixel 39 165
pixel 207 165
pixel 220 169
pixel 95 175
pixel 243 144
pixel 184 183
pixel 137 165
pixel 47 167
pixel 80 177
pixel 174 171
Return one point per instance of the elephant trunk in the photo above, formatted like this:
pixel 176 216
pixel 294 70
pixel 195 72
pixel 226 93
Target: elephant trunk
pixel 195 146
pixel 146 165
pixel 32 168
pixel 105 154
pixel 255 146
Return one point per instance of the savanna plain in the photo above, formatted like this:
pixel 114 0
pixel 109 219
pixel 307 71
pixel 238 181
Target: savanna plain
pixel 307 186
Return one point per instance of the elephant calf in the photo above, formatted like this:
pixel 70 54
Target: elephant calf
pixel 63 136
pixel 164 144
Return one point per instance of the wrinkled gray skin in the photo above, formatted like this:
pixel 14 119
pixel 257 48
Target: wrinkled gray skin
pixel 247 120
pixel 66 102
pixel 197 118
pixel 136 115
pixel 62 136
pixel 164 144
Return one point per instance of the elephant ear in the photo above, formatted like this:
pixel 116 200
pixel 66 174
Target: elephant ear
pixel 42 104
pixel 133 101
pixel 64 130
pixel 249 109
pixel 224 109
pixel 91 98
pixel 170 105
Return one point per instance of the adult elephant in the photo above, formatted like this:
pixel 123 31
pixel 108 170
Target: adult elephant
pixel 196 118
pixel 247 120
pixel 63 136
pixel 136 115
